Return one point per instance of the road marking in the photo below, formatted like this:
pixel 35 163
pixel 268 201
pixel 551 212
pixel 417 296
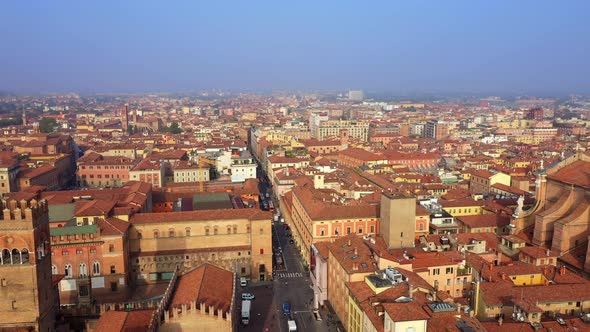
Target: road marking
pixel 286 275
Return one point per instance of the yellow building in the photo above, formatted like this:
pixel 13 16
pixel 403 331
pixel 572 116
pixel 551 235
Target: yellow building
pixel 462 207
pixel 349 260
pixel 239 240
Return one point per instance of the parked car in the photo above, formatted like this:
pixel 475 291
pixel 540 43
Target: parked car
pixel 248 296
pixel 243 282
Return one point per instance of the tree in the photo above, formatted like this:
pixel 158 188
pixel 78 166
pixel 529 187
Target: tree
pixel 47 125
pixel 174 128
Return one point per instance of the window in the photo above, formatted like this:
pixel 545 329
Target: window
pixel 336 230
pixel 360 230
pixel 448 282
pixel 53 269
pixel 93 251
pixel 261 231
pixel 348 230
pixel 215 231
pixel 206 231
pixel 187 231
pixel 156 233
pixel 111 248
pixel 262 251
pixel 171 232
pixel 83 270
pixel 435 272
pixel 68 270
pixel 449 270
pixel 372 228
pixel 229 230
pixel 322 232
pixel 79 251
pixel 235 229
pixel 113 269
pixel 421 226
pixel 65 253
pixel 96 268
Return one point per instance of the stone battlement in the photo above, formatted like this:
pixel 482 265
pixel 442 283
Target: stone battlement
pixel 14 212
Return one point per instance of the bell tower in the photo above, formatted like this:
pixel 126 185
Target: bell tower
pixel 26 287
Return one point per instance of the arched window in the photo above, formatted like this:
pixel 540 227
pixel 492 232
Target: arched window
pixel 187 231
pixel 25 255
pixel 156 233
pixel 5 258
pixel 68 270
pixel 96 268
pixel 16 256
pixel 171 232
pixel 53 269
pixel 83 270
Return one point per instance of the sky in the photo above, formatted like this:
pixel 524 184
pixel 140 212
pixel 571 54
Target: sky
pixel 489 47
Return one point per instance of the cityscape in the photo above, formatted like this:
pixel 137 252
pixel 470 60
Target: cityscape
pixel 227 170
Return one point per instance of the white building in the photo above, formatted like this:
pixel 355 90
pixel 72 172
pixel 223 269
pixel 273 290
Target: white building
pixel 242 167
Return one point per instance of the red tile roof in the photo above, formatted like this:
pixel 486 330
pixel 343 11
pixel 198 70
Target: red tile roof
pixel 207 284
pixel 124 321
pixel 225 214
pixel 578 173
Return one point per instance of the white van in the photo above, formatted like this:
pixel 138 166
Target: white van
pixel 243 282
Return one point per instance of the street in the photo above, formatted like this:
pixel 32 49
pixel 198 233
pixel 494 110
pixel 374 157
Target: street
pixel 291 283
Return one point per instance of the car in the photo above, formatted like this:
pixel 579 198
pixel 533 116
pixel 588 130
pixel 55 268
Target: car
pixel 248 296
pixel 243 282
pixel 286 308
pixel 560 321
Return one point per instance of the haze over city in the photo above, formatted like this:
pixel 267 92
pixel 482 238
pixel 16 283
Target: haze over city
pixel 495 47
pixel 329 166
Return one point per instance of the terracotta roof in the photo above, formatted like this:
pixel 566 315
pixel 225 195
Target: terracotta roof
pixel 124 321
pixel 402 312
pixel 207 284
pixel 201 215
pixel 112 226
pixel 578 173
pixel 484 220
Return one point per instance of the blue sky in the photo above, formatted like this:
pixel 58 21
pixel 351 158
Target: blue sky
pixel 394 46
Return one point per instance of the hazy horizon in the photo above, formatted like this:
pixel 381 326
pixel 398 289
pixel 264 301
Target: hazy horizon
pixel 502 47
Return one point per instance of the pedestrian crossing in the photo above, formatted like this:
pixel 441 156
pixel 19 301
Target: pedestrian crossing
pixel 286 275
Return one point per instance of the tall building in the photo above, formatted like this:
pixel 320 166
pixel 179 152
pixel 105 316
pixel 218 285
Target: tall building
pixel 356 95
pixel 436 129
pixel 125 117
pixel 398 220
pixel 535 113
pixel 28 300
pixel 315 119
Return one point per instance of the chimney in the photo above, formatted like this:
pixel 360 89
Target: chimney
pixel 356 251
pixel 355 266
pixel 410 291
pixel 503 276
pixel 349 243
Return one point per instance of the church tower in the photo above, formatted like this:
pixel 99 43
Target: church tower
pixel 24 118
pixel 26 287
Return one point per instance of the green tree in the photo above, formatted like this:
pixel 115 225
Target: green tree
pixel 174 128
pixel 47 125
